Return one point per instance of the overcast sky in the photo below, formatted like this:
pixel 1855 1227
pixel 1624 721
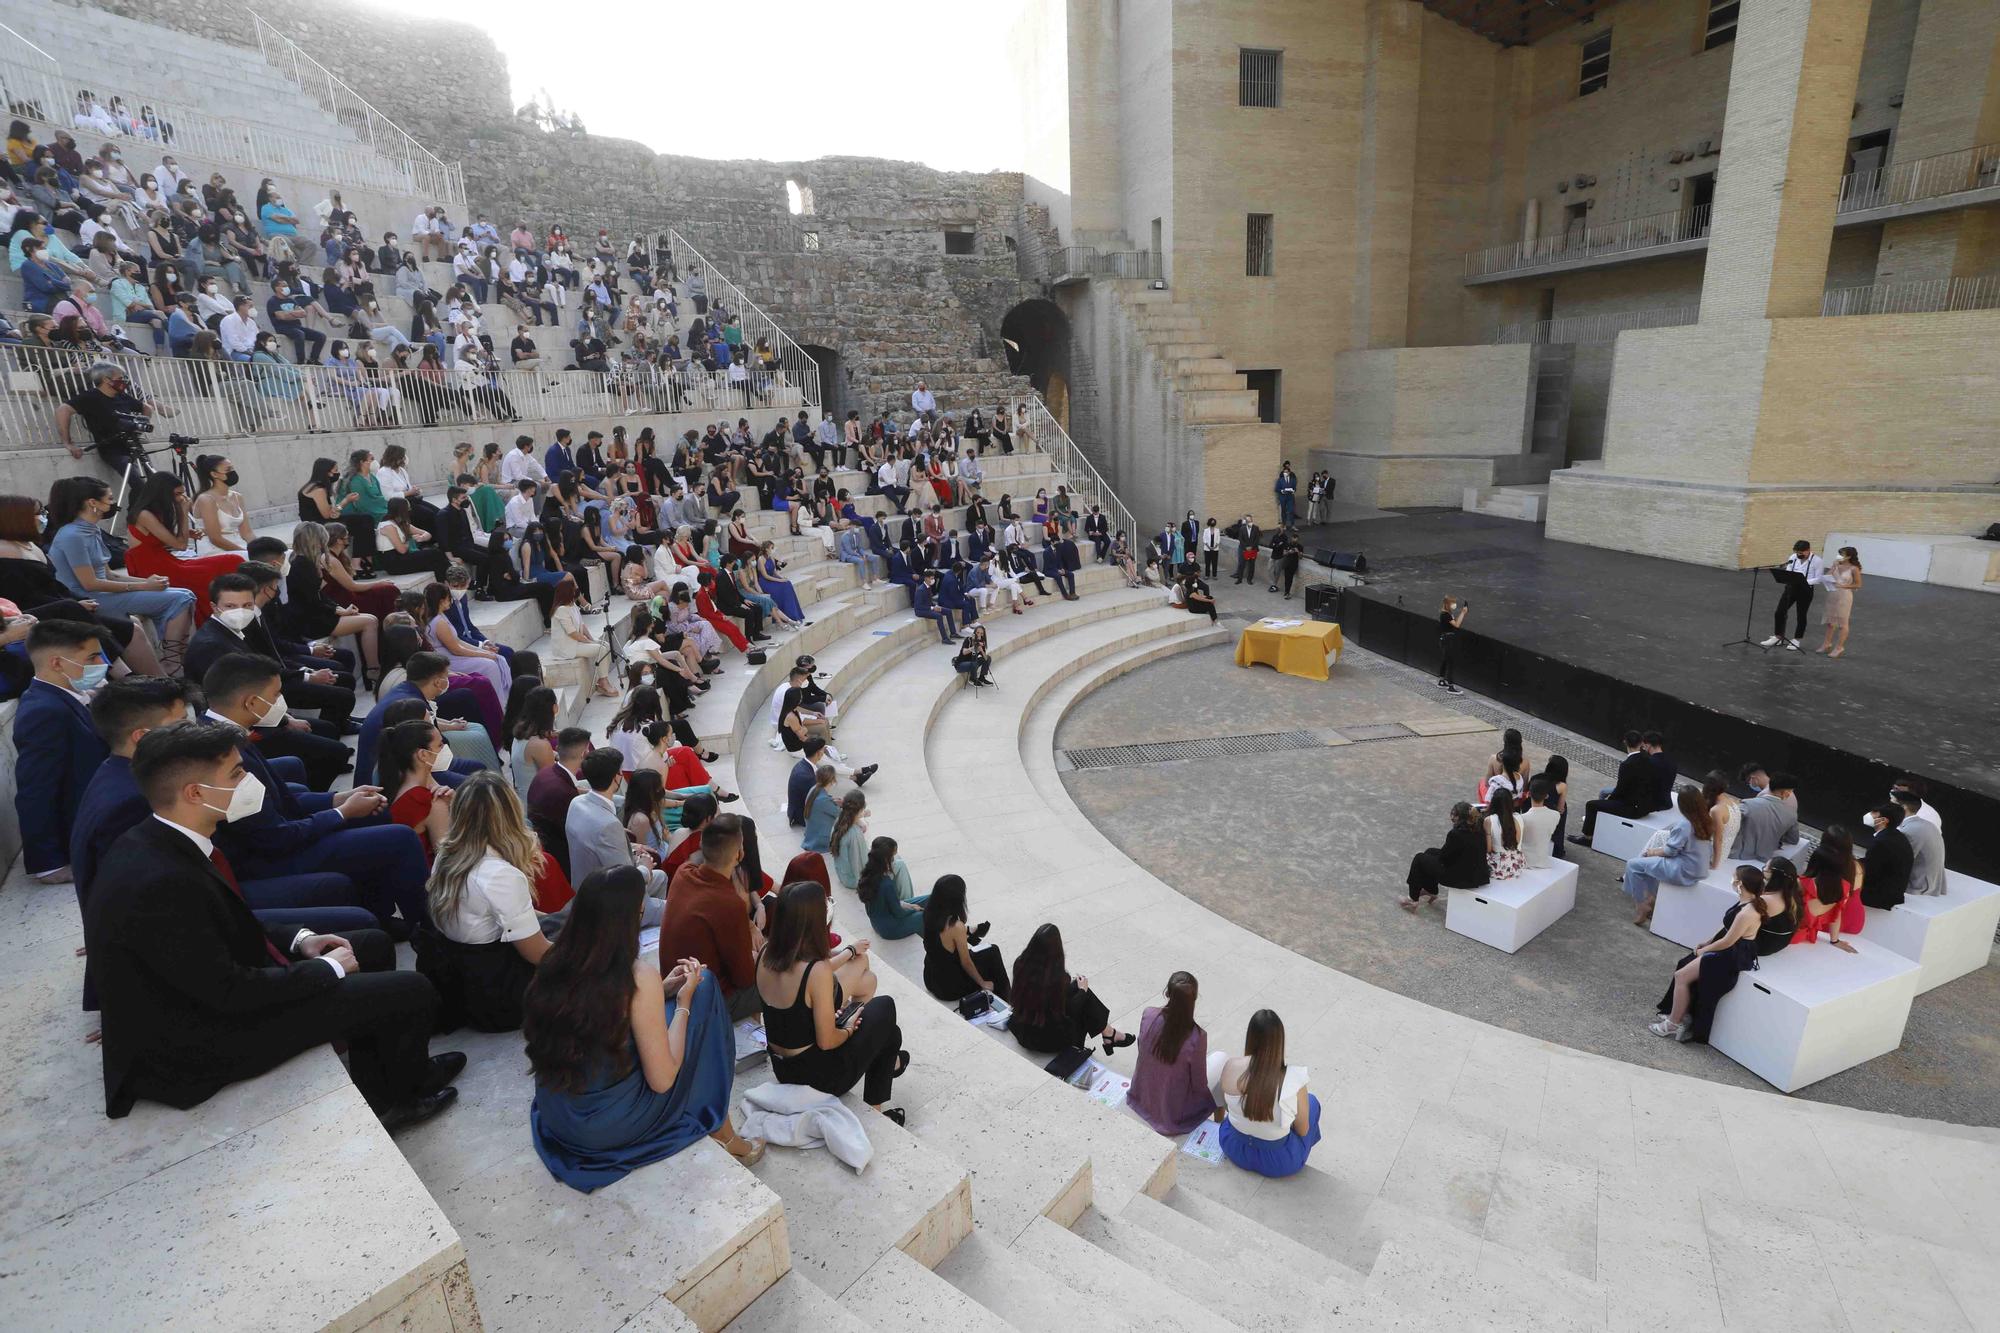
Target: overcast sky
pixel 918 80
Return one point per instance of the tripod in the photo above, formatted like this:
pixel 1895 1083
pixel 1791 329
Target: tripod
pixel 140 465
pixel 1749 614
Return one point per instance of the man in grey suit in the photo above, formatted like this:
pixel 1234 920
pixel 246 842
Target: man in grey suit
pixel 1770 821
pixel 1926 846
pixel 597 839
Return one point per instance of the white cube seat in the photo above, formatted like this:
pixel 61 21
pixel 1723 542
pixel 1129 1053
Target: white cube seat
pixel 1615 835
pixel 1509 913
pixel 1948 935
pixel 1812 1010
pixel 1690 914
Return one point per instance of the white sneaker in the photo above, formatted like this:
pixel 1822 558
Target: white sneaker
pixel 1792 644
pixel 1771 642
pixel 1664 1027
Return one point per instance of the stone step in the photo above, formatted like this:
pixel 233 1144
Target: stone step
pixel 1242 1237
pixel 1525 503
pixel 1170 349
pixel 900 1295
pixel 1459 1282
pixel 1225 1288
pixel 1109 1282
pixel 794 1303
pixel 1199 380
pixel 1202 365
pixel 1024 1293
pixel 1211 407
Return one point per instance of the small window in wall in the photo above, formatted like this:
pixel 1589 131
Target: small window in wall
pixel 1259 77
pixel 1595 72
pixel 812 240
pixel 1266 383
pixel 959 242
pixel 799 199
pixel 1721 23
pixel 1259 246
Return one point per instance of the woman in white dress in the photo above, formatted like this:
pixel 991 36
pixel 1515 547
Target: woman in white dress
pixel 1725 813
pixel 224 519
pixel 570 640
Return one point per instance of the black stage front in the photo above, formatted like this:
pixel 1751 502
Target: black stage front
pixel 1598 641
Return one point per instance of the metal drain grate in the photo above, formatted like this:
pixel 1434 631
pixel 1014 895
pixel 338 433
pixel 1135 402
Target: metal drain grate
pixel 1212 747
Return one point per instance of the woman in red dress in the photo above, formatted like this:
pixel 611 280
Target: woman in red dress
pixel 376 599
pixel 161 528
pixel 704 605
pixel 1831 903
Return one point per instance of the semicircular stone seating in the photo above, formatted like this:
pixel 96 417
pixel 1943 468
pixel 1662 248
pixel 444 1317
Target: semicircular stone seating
pixel 1469 1176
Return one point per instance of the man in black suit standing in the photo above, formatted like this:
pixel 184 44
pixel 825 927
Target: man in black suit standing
pixel 198 994
pixel 1632 795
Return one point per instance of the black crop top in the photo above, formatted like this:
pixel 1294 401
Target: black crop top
pixel 792 1026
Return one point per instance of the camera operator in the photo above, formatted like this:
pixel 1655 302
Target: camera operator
pixel 1451 618
pixel 119 420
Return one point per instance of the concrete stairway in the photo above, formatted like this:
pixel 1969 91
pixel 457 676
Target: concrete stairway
pixel 1526 503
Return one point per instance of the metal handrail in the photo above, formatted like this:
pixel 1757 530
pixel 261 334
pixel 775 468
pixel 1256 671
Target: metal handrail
pixel 1088 261
pixel 1921 178
pixel 1910 298
pixel 310 75
pixel 1612 238
pixel 54 64
pixel 1085 481
pixel 1599 328
pixel 800 367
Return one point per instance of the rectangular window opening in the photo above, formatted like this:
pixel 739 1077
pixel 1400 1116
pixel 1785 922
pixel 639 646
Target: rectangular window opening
pixel 1721 24
pixel 812 240
pixel 958 242
pixel 1266 383
pixel 1259 257
pixel 1259 77
pixel 1595 71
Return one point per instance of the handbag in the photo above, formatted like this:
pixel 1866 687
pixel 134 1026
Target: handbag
pixel 975 1004
pixel 1065 1065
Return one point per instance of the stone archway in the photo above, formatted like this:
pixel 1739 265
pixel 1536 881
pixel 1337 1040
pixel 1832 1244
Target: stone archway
pixel 1037 335
pixel 833 394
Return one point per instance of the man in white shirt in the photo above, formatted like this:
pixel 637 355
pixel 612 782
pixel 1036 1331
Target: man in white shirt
pixel 1916 787
pixel 522 510
pixel 923 402
pixel 1811 573
pixel 885 484
pixel 1538 824
pixel 520 464
pixel 428 234
pixel 970 472
pixel 239 331
pixel 170 177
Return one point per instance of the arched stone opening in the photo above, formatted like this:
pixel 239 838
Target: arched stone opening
pixel 833 390
pixel 1037 338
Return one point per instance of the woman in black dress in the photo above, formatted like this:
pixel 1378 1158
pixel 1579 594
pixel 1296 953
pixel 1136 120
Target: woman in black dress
pixel 1451 619
pixel 1766 912
pixel 308 613
pixel 817 1038
pixel 1459 864
pixel 954 964
pixel 1054 1011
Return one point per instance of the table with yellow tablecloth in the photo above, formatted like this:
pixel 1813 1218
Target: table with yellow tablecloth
pixel 1296 650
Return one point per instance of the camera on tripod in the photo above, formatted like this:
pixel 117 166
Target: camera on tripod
pixel 180 444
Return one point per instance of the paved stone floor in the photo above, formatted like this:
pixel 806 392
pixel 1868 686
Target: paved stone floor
pixel 1310 848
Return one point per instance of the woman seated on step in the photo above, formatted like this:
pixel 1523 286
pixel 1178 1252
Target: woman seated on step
pixel 818 1038
pixel 1054 1011
pixel 1459 864
pixel 1170 1085
pixel 1270 1121
pixel 955 965
pixel 630 1066
pixel 894 910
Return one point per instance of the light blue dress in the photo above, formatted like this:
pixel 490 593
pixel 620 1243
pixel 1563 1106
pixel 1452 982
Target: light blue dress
pixel 895 912
pixel 1684 861
pixel 821 811
pixel 850 856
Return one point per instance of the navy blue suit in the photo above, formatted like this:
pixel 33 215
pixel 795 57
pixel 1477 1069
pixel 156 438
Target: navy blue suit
pixel 925 609
pixel 558 460
pixel 1053 566
pixel 58 752
pixel 951 596
pixel 301 834
pixel 371 736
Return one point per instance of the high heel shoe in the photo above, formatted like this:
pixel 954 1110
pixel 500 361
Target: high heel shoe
pixel 1119 1042
pixel 753 1152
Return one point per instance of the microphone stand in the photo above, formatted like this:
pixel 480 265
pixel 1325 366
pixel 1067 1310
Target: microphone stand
pixel 1749 615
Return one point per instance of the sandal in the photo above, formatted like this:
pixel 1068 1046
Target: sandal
pixel 894 1113
pixel 902 1064
pixel 752 1154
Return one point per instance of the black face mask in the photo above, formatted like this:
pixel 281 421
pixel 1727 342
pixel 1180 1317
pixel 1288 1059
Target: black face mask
pixel 231 477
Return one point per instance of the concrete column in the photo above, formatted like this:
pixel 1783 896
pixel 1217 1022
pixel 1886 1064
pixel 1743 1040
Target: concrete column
pixel 1792 80
pixel 1953 103
pixel 1385 179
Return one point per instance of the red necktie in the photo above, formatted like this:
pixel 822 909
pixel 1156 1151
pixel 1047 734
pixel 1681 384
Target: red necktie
pixel 222 868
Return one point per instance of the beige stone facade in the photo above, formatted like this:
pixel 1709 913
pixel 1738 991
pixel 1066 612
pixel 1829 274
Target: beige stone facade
pixel 1682 229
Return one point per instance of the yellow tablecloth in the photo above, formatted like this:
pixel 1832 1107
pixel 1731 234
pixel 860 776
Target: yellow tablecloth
pixel 1297 650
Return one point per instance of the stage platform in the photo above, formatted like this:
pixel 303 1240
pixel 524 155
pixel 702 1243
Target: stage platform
pixel 1599 640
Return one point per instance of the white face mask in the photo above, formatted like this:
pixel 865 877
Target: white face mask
pixel 245 800
pixel 442 759
pixel 273 715
pixel 237 618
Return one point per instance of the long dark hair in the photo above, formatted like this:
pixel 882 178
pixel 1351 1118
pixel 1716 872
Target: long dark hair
pixel 397 751
pixel 1838 842
pixel 519 699
pixel 1825 871
pixel 1556 769
pixel 1264 1044
pixel 1782 879
pixel 156 497
pixel 1501 807
pixel 1041 976
pixel 945 905
pixel 798 926
pixel 751 867
pixel 577 1015
pixel 642 794
pixel 851 806
pixel 1178 1013
pixel 641 707
pixel 881 857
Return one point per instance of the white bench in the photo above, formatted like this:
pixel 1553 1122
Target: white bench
pixel 1813 1010
pixel 1690 914
pixel 1509 913
pixel 1948 935
pixel 1615 835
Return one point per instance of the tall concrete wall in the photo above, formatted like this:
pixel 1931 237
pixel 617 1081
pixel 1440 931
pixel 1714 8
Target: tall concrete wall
pixel 1419 424
pixel 1158 465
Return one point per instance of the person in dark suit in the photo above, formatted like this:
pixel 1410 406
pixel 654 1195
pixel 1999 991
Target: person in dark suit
pixel 233 629
pixel 1665 770
pixel 1631 796
pixel 1017 560
pixel 590 464
pixel 297 834
pixel 923 605
pixel 1058 568
pixel 198 994
pixel 1097 528
pixel 1890 858
pixel 554 788
pixel 457 524
pixel 312 680
pixel 426 678
pixel 56 748
pixel 123 712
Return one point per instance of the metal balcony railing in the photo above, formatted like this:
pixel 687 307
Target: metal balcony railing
pixel 1087 261
pixel 1631 236
pixel 797 367
pixel 1600 328
pixel 1921 178
pixel 1911 298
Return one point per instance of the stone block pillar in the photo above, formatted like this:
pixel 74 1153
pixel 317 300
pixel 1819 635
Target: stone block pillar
pixel 1953 104
pixel 1791 89
pixel 1385 184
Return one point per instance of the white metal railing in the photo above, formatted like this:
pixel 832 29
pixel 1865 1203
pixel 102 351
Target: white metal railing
pixel 797 367
pixel 1910 298
pixel 16 47
pixel 1599 328
pixel 232 400
pixel 1921 178
pixel 430 176
pixel 1086 483
pixel 1593 242
pixel 45 96
pixel 1087 261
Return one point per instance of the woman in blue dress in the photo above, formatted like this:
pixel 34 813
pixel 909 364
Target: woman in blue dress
pixel 538 563
pixel 1680 855
pixel 630 1067
pixel 778 589
pixel 1270 1121
pixel 894 910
